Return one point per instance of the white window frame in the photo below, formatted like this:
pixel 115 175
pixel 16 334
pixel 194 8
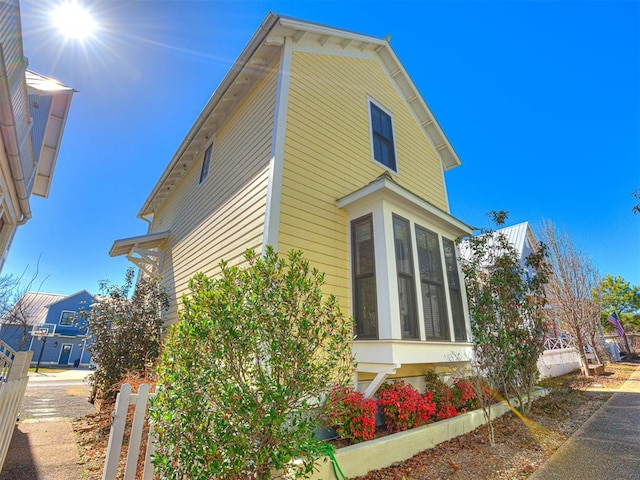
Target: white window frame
pixel 75 316
pixel 371 101
pixel 387 275
pixel 205 167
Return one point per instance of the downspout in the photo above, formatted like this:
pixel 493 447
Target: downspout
pixel 12 144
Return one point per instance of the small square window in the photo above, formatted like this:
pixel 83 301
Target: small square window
pixel 382 137
pixel 67 318
pixel 206 163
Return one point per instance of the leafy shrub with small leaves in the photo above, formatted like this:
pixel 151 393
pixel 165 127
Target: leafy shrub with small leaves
pixel 442 396
pixel 351 414
pixel 125 331
pixel 403 407
pixel 464 396
pixel 244 369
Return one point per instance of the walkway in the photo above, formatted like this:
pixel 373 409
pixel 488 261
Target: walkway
pixel 44 446
pixel 606 446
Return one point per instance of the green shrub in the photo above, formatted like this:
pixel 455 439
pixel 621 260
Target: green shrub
pixel 244 369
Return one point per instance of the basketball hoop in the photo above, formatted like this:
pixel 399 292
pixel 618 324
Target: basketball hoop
pixel 42 334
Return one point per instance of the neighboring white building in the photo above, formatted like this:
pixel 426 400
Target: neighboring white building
pixel 33 113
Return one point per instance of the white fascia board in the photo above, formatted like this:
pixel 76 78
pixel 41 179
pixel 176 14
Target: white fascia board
pixel 440 143
pixel 243 60
pixel 384 185
pixel 270 234
pixel 328 31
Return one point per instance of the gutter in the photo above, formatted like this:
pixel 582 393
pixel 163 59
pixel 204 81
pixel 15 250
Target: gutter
pixel 12 145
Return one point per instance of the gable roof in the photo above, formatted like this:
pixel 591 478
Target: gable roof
pixel 517 234
pixel 66 297
pixel 254 61
pixel 31 308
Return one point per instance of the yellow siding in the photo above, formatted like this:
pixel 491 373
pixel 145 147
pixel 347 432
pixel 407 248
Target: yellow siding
pixel 223 216
pixel 328 155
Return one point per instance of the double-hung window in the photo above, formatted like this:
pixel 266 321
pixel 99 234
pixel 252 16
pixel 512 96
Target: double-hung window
pixel 206 163
pixel 67 318
pixel 382 142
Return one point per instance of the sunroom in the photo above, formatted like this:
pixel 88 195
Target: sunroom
pixel 407 294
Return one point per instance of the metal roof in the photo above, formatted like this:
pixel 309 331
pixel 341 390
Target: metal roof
pixel 31 308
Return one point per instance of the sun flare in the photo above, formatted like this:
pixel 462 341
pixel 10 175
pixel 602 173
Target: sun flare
pixel 73 20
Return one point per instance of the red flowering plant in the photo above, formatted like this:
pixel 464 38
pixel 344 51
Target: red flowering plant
pixel 403 407
pixel 464 395
pixel 352 415
pixel 442 396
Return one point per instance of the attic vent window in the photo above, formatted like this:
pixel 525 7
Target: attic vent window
pixel 206 163
pixel 382 142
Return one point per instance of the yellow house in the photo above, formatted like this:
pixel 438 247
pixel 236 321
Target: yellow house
pixel 318 140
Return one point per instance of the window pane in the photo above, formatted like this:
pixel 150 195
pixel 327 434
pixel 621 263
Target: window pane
pixel 403 245
pixel 364 280
pixel 206 162
pixel 455 292
pixel 435 312
pixel 366 314
pixel 406 281
pixel 382 137
pixel 363 239
pixel 431 283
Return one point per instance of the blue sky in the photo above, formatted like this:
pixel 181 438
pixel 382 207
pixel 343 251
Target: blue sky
pixel 541 101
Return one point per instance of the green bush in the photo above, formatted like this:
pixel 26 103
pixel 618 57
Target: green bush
pixel 125 332
pixel 244 370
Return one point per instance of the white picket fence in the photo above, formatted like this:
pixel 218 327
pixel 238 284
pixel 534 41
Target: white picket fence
pixel 116 436
pixel 14 370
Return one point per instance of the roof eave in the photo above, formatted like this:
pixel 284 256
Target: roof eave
pixel 242 61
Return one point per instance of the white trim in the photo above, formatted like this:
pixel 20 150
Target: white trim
pixel 370 101
pixel 311 47
pixel 276 164
pixel 382 207
pixel 384 185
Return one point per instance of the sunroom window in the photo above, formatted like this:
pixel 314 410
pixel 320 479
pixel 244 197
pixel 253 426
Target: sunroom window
pixel 455 290
pixel 437 314
pixel 434 301
pixel 406 278
pixel 364 278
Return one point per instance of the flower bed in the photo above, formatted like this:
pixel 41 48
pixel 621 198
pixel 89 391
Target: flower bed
pixel 359 459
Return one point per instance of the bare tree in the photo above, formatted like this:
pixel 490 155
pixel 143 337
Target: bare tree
pixel 569 291
pixel 16 307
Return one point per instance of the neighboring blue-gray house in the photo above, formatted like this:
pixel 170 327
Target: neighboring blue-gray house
pixel 49 325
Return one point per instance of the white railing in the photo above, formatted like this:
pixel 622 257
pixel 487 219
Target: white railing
pixel 7 354
pixel 558 343
pixel 116 435
pixel 14 370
